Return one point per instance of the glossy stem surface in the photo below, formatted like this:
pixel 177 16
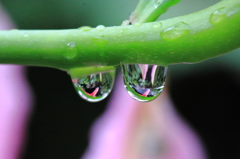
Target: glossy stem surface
pixel 191 38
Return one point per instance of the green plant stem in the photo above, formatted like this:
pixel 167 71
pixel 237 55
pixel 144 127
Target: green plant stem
pixel 84 71
pixel 143 11
pixel 197 40
pixel 150 10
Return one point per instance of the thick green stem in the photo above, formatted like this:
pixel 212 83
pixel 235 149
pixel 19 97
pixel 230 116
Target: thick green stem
pixel 191 38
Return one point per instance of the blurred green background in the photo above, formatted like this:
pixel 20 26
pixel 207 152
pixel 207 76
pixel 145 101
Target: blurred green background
pixel 61 121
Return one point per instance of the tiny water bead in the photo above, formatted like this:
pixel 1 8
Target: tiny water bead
pixel 100 27
pixel 71 51
pixel 71 44
pixel 174 32
pixel 156 24
pixel 126 22
pixel 157 3
pixel 26 35
pixel 85 28
pixel 94 87
pixel 144 82
pixel 99 41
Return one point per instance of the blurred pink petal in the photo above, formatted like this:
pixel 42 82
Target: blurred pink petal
pixel 134 130
pixel 15 101
pixel 5 22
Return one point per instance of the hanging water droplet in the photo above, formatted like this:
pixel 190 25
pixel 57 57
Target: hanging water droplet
pixel 95 87
pixel 144 82
pixel 100 27
pixel 175 31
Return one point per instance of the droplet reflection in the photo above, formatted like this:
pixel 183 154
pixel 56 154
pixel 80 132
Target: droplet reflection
pixel 144 82
pixel 95 87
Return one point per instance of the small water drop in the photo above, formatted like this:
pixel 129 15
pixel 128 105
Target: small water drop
pixel 137 24
pixel 157 3
pixel 71 50
pixel 175 31
pixel 100 27
pixel 144 82
pixel 85 28
pixel 217 16
pixel 99 41
pixel 125 23
pixel 94 87
pixel 71 44
pixel 156 24
pixel 122 30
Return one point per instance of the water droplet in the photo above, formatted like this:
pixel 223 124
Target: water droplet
pixel 156 24
pixel 217 16
pixel 136 24
pixel 85 28
pixel 144 82
pixel 99 41
pixel 100 27
pixel 122 30
pixel 175 32
pixel 125 23
pixel 71 44
pixel 95 87
pixel 71 50
pixel 157 3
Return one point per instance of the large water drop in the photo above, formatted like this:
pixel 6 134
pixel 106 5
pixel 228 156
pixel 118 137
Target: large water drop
pixel 144 82
pixel 95 87
pixel 218 16
pixel 174 32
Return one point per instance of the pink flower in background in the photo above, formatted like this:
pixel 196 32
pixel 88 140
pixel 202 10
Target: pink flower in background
pixel 133 130
pixel 15 101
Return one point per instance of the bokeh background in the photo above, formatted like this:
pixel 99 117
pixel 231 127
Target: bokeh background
pixel 205 94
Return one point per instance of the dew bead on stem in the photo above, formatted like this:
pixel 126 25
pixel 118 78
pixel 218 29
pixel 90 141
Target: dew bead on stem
pixel 100 27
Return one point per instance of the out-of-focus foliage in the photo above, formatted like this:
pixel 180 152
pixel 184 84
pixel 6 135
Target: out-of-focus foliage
pixel 58 14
